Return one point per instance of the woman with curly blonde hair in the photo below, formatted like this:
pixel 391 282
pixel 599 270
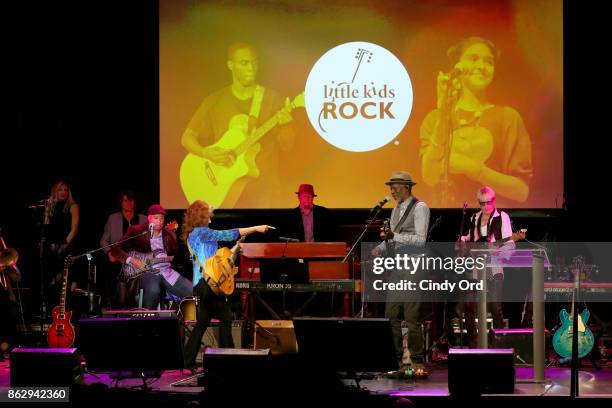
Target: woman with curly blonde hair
pixel 202 242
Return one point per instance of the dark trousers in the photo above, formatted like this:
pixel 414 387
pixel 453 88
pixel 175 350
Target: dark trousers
pixel 495 287
pixel 397 309
pixel 209 305
pixel 410 312
pixel 151 285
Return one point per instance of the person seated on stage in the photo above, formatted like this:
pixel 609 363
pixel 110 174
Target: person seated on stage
pixel 202 242
pixel 310 222
pixel 116 226
pixel 488 225
pixel 149 238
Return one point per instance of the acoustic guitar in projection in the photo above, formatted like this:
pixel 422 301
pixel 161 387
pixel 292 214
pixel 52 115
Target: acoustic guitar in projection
pixel 201 179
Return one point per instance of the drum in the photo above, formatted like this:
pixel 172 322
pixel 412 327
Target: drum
pixel 188 308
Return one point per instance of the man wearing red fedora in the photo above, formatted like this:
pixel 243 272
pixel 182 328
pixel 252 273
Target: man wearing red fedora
pixel 310 222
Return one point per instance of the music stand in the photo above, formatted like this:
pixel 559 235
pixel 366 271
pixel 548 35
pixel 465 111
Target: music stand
pixel 284 270
pixel 134 345
pixel 348 345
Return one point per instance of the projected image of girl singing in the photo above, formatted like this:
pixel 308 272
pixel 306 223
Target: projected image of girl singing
pixel 468 140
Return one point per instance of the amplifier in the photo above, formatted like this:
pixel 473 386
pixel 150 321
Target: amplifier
pixel 277 335
pixel 521 340
pixel 45 367
pixel 139 313
pixel 211 336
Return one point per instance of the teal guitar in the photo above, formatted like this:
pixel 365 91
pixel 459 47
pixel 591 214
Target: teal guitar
pixel 562 340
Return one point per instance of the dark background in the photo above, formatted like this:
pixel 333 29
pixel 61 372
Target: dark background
pixel 81 98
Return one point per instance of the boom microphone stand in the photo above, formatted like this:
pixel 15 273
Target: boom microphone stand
pixel 91 276
pixel 365 229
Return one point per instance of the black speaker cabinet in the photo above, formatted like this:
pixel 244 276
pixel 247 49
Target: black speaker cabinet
pixel 223 366
pixel 521 340
pixel 33 367
pixel 481 371
pixel 137 344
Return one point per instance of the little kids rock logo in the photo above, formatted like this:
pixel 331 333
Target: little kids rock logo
pixel 358 96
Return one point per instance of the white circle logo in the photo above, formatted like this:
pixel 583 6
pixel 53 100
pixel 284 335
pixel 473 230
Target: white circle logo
pixel 358 96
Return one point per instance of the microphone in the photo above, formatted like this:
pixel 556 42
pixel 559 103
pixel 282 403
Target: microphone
pixel 286 239
pixel 380 204
pixel 41 203
pixel 457 71
pixel 151 231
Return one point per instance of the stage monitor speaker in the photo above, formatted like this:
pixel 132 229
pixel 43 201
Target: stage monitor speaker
pixel 347 344
pixel 211 336
pixel 521 340
pixel 480 371
pixel 277 335
pixel 136 344
pixel 48 367
pixel 280 380
pixel 223 366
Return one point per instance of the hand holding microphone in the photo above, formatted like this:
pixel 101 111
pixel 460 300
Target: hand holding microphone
pixel 449 86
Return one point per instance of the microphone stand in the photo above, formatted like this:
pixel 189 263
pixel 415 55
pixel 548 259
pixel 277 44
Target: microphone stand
pixel 365 229
pixel 89 256
pixel 447 130
pixel 283 278
pixel 41 263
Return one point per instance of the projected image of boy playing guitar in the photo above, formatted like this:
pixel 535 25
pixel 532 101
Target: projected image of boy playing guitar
pixel 235 139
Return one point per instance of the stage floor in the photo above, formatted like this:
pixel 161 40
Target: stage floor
pixel 593 383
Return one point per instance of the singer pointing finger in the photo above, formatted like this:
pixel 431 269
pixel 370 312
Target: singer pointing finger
pixel 407 233
pixel 202 243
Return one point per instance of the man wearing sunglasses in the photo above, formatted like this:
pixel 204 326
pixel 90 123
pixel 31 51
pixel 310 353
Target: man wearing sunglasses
pixel 489 225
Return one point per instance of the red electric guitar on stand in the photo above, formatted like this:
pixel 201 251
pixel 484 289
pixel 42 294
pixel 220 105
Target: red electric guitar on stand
pixel 61 333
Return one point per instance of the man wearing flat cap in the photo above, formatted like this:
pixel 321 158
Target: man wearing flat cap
pixel 153 237
pixel 310 222
pixel 407 231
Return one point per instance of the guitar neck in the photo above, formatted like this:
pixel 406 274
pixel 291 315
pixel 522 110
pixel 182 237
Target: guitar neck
pixel 163 259
pixel 258 134
pixel 62 303
pixel 236 252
